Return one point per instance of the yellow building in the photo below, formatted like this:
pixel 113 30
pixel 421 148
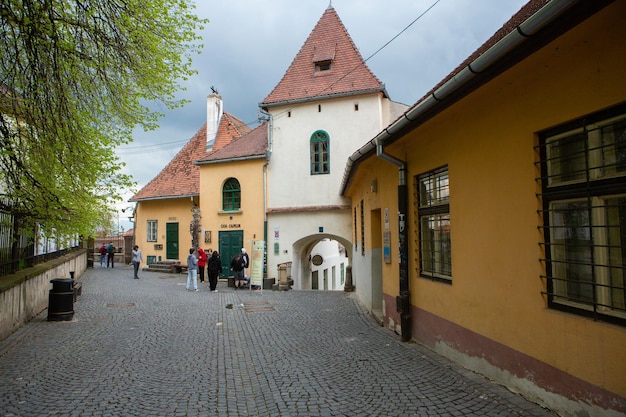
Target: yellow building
pixel 490 220
pixel 232 186
pixel 169 206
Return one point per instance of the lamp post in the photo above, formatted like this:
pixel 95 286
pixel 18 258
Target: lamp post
pixel 119 229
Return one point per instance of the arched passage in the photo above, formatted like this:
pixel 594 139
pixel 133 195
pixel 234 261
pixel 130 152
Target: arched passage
pixel 320 261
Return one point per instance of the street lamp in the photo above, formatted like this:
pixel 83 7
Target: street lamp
pixel 119 229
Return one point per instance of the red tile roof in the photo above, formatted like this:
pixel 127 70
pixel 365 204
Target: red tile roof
pixel 349 74
pixel 249 146
pixel 181 177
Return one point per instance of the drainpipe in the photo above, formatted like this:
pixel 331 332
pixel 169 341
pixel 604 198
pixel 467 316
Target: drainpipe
pixel 268 156
pixel 403 301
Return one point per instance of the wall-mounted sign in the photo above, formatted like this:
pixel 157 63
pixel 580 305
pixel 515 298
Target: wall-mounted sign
pixel 387 246
pixel 317 260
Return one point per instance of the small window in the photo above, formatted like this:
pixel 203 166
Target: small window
pixel 231 195
pixel 323 66
pixel 434 225
pixel 320 157
pixel 152 230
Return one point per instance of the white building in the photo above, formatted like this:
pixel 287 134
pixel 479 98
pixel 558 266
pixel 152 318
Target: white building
pixel 327 103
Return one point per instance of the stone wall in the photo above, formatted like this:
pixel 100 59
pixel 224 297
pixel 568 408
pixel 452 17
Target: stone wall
pixel 24 295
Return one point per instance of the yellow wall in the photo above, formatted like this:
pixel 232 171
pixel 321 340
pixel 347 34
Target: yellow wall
pixel 250 218
pixel 164 211
pixel 487 140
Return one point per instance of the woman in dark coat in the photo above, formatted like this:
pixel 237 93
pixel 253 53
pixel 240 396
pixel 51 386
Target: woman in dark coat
pixel 214 269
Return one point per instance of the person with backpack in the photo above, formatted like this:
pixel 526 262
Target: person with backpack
pixel 111 255
pixel 237 265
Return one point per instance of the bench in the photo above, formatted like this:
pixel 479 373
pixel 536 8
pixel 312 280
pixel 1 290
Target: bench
pixel 179 268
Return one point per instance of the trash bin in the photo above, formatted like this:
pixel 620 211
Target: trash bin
pixel 61 300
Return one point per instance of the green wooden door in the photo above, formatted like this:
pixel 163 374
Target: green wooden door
pixel 230 245
pixel 171 241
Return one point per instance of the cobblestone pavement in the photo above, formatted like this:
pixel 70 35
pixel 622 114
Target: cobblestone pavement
pixel 148 347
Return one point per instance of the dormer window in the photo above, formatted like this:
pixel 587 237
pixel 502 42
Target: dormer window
pixel 323 66
pixel 323 57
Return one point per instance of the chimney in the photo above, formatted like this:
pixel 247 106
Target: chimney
pixel 214 111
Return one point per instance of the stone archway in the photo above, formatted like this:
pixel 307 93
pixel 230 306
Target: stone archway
pixel 317 266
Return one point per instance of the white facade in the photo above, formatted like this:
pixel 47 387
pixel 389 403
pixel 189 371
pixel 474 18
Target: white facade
pixel 305 208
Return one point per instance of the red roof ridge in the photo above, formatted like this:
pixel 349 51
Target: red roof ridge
pixel 329 43
pixel 181 177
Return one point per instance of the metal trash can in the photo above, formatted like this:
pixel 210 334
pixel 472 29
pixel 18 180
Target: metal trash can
pixel 61 300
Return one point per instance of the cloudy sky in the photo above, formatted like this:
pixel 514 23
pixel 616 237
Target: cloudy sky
pixel 249 44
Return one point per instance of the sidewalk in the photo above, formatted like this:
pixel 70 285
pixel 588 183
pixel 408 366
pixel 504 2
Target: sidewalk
pixel 148 347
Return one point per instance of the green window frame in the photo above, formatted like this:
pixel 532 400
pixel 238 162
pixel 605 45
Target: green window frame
pixel 320 153
pixel 231 195
pixel 583 200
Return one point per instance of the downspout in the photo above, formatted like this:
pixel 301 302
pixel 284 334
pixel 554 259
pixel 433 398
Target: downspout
pixel 403 301
pixel 268 156
pixel 542 18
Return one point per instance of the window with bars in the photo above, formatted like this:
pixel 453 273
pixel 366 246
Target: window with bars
pixel 362 228
pixel 355 231
pixel 320 156
pixel 583 179
pixel 433 214
pixel 152 230
pixel 231 195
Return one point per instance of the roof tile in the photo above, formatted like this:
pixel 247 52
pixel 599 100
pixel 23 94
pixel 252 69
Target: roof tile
pixel 329 40
pixel 181 177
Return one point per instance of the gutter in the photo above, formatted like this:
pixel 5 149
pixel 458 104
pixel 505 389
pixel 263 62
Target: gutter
pixel 544 16
pixel 325 96
pixel 220 161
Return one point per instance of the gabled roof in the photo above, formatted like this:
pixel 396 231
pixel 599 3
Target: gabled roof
pixel 181 177
pixel 328 42
pixel 252 145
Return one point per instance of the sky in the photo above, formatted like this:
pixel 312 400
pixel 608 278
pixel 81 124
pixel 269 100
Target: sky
pixel 410 45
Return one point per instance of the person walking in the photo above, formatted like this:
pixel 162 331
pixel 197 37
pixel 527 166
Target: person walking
pixel 246 263
pixel 202 258
pixel 214 270
pixel 111 255
pixel 192 270
pixel 103 254
pixel 236 265
pixel 137 258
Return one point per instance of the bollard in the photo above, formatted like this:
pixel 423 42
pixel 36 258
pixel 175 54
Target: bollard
pixel 348 286
pixel 283 283
pixel 61 300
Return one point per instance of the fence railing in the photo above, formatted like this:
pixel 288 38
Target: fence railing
pixel 19 251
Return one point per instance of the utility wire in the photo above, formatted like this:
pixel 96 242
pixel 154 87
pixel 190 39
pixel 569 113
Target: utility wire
pixel 167 145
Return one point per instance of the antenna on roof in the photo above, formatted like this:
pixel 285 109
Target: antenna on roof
pixel 214 90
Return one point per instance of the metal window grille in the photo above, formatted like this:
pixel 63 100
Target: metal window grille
pixel 362 228
pixel 433 214
pixel 582 174
pixel 355 231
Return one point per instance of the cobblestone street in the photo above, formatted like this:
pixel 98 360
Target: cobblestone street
pixel 149 347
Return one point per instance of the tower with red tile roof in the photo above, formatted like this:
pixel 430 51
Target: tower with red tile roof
pixel 327 104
